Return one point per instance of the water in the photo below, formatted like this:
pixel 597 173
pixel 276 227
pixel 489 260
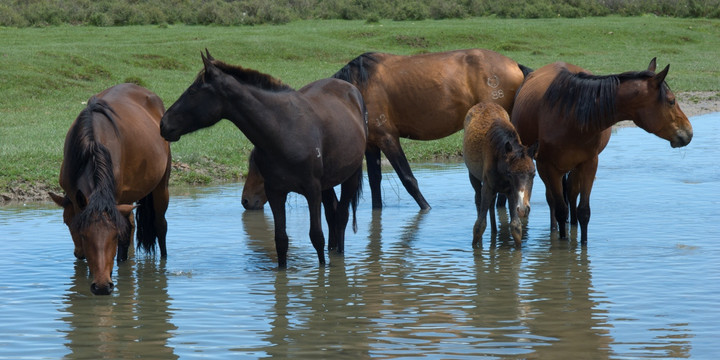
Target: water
pixel 409 285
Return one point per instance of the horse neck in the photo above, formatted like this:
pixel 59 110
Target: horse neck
pixel 259 114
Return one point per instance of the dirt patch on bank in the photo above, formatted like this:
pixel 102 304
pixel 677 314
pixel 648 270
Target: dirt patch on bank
pixel 693 103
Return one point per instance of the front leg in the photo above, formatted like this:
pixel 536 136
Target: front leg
pixel 583 180
pixel 554 194
pixel 277 205
pixel 374 169
pixel 390 146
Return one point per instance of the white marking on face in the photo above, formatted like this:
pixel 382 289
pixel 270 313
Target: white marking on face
pixel 521 196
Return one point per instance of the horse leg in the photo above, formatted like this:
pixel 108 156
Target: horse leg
pixel 501 199
pixel 124 244
pixel 571 194
pixel 161 198
pixel 314 199
pixel 585 176
pixel 552 178
pixel 372 157
pixel 277 205
pixel 330 203
pixel 390 146
pixel 350 190
pixel 481 222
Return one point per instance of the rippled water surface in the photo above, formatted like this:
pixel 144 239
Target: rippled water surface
pixel 410 285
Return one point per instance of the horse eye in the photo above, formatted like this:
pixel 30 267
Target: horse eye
pixel 672 102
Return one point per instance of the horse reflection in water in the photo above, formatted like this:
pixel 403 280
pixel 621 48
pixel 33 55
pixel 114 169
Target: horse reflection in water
pixel 497 162
pixel 114 156
pixel 135 321
pixel 306 141
pixel 570 112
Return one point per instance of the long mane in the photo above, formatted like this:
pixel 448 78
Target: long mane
pixel 252 77
pixel 84 152
pixel 589 99
pixel 359 70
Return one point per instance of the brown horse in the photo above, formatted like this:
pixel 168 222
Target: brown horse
pixel 424 97
pixel 569 112
pixel 498 163
pixel 114 156
pixel 306 141
pixel 253 194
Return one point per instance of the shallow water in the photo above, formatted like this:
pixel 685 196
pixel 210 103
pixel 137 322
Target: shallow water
pixel 409 285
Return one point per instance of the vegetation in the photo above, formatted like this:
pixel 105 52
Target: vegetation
pixel 21 13
pixel 46 73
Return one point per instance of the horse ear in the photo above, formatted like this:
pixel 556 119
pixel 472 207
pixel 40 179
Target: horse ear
pixel 61 201
pixel 660 77
pixel 206 62
pixel 508 147
pixel 653 64
pixel 208 56
pixel 532 150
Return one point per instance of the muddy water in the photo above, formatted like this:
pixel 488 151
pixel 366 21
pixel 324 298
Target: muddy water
pixel 409 285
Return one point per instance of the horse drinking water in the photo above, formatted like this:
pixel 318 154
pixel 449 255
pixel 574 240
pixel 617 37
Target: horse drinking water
pixel 114 156
pixel 497 162
pixel 569 112
pixel 306 141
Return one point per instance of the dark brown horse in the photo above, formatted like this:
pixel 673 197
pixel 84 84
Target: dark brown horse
pixel 253 194
pixel 569 112
pixel 114 156
pixel 424 97
pixel 306 141
pixel 498 163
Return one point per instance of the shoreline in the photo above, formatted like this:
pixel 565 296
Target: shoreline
pixel 693 103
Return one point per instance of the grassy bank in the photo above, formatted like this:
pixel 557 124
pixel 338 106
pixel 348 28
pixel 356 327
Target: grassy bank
pixel 47 73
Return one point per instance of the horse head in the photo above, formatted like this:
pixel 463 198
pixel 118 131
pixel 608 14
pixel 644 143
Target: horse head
pixel 651 104
pixel 198 107
pixel 96 236
pixel 520 174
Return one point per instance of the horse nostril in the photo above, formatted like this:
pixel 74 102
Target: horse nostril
pixel 105 290
pixel 245 203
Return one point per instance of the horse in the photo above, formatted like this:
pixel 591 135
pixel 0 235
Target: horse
pixel 497 162
pixel 253 194
pixel 570 112
pixel 114 156
pixel 306 141
pixel 424 97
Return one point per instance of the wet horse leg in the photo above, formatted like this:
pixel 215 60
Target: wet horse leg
pixel 390 146
pixel 314 200
pixel 277 205
pixel 372 157
pixel 348 190
pixel 571 192
pixel 161 198
pixel 552 178
pixel 330 203
pixel 583 180
pixel 482 205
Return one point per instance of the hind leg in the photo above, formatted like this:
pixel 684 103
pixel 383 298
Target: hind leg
pixel 124 245
pixel 349 189
pixel 552 178
pixel 572 190
pixel 330 203
pixel 161 198
pixel 583 179
pixel 372 157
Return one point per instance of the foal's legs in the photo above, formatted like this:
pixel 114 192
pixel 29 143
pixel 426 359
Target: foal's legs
pixel 484 199
pixel 390 146
pixel 277 205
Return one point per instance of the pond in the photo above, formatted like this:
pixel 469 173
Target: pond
pixel 410 285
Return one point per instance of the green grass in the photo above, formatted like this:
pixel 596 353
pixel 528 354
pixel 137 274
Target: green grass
pixel 47 73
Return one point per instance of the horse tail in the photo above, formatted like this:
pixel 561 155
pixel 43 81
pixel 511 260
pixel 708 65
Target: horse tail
pixel 356 197
pixel 525 70
pixel 145 223
pixel 358 70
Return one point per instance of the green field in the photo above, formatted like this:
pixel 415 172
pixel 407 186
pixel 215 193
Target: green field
pixel 47 73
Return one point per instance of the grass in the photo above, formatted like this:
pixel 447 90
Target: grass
pixel 47 73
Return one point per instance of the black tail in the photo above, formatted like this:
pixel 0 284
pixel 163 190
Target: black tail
pixel 356 197
pixel 145 222
pixel 525 70
pixel 359 70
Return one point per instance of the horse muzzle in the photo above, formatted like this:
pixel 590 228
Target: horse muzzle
pixel 681 138
pixel 167 133
pixel 103 289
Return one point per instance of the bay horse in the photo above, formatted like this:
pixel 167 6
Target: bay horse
pixel 570 112
pixel 306 141
pixel 424 97
pixel 114 156
pixel 498 163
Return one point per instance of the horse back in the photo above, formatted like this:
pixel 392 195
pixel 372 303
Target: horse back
pixel 426 96
pixel 480 150
pixel 140 156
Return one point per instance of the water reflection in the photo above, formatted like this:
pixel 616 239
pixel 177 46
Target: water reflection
pixel 134 321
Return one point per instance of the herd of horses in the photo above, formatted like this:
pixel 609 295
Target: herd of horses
pixel 555 120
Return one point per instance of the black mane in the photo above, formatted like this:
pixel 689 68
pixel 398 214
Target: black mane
pixel 252 77
pixel 359 70
pixel 85 152
pixel 590 99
